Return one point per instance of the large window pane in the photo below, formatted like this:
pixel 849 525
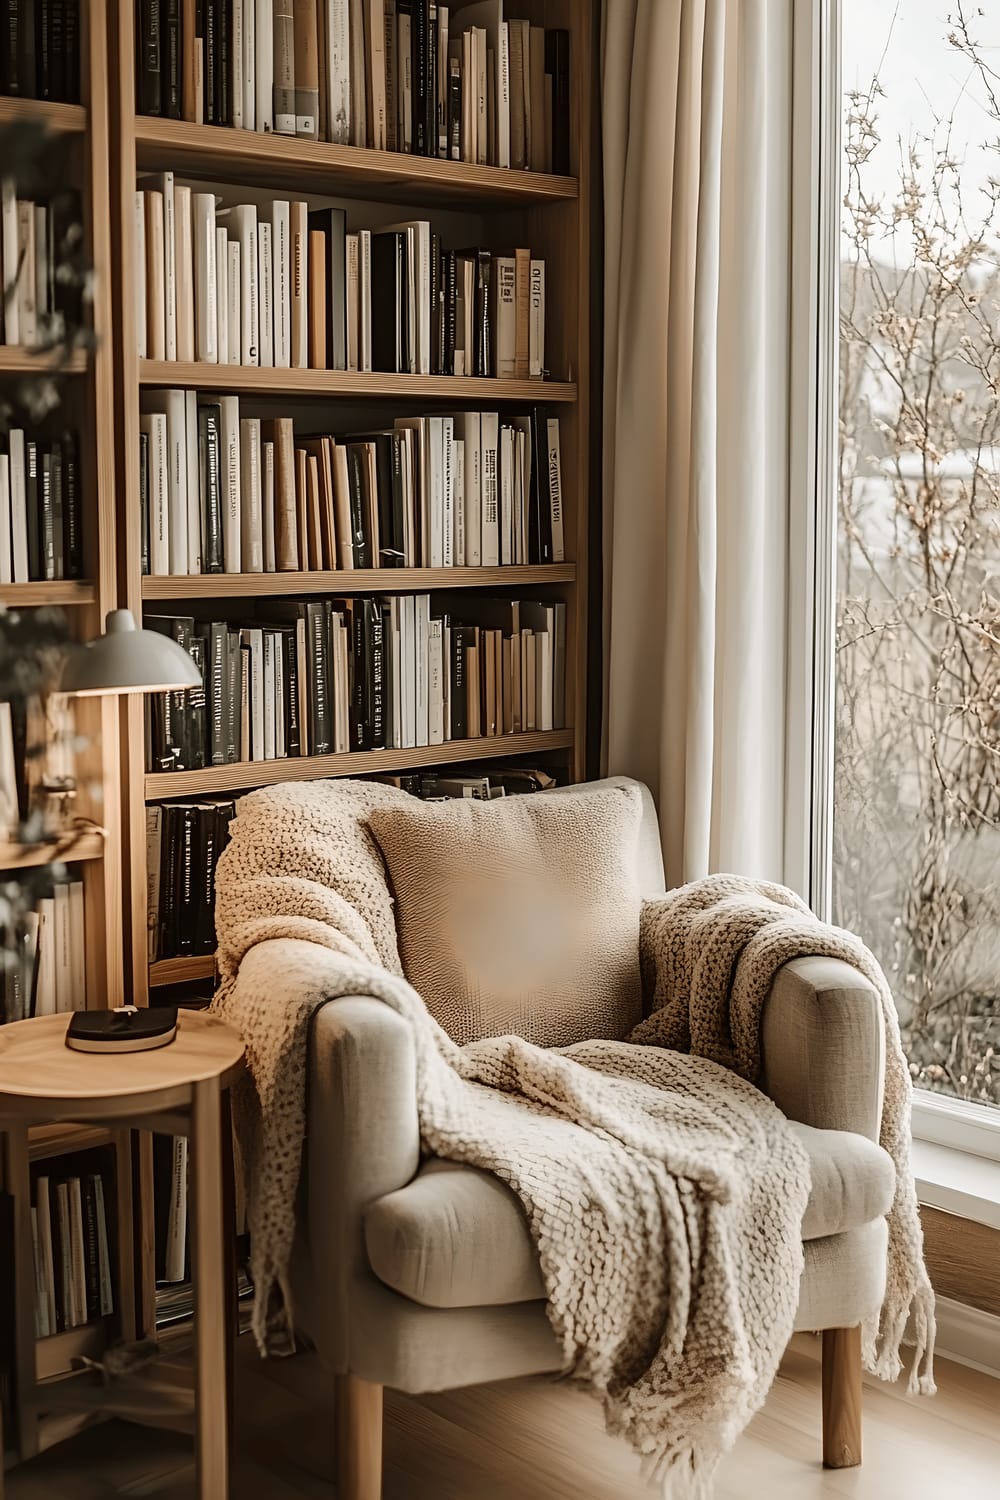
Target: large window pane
pixel 917 760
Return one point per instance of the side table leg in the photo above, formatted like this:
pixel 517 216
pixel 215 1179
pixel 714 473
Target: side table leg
pixel 210 1292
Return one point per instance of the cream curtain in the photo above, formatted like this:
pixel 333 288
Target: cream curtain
pixel 696 99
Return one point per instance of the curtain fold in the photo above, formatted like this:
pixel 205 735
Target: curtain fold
pixel 696 100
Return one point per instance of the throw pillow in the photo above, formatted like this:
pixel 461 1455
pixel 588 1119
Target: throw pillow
pixel 519 916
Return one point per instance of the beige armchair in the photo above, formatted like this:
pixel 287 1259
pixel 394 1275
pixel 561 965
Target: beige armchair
pixel 421 1275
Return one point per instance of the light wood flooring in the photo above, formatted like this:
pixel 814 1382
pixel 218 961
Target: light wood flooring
pixel 538 1440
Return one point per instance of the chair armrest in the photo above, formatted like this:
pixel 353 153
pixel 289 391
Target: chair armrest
pixel 823 1046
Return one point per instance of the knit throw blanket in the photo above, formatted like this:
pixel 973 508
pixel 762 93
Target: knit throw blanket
pixel 664 1193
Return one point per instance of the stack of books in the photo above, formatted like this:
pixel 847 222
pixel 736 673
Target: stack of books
pixel 477 785
pixel 183 844
pixel 36 304
pixel 328 676
pixel 460 82
pixel 41 523
pixel 284 286
pixel 47 969
pixel 69 1233
pixel 225 493
pixel 40 50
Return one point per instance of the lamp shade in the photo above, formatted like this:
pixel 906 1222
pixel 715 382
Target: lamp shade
pixel 128 660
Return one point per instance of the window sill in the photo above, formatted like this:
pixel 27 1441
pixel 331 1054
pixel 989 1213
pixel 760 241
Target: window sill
pixel 958 1182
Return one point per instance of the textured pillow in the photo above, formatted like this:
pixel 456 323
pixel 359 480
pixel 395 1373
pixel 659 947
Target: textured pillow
pixel 521 915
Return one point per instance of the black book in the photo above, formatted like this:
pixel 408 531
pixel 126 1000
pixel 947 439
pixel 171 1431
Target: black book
pixel 209 483
pixel 144 499
pixel 10 82
pixel 361 541
pixel 60 1260
pixel 557 63
pixel 398 559
pixel 207 834
pixel 454 110
pixel 48 517
pixel 36 550
pixel 461 636
pixel 65 216
pixel 450 304
pixel 293 732
pixel 158 756
pixel 390 541
pixel 483 326
pixel 375 677
pixel 58 56
pixel 432 79
pixel 72 506
pixel 216 651
pixel 43 48
pixel 187 881
pixel 92 1264
pixel 420 75
pixel 195 708
pixel 166 945
pixel 210 68
pixel 355 620
pixel 224 51
pixel 163 1175
pixel 71 78
pixel 149 63
pixel 178 708
pixel 233 709
pixel 27 61
pixel 171 51
pixel 319 656
pixel 437 320
pixel 54 461
pixel 539 501
pixel 333 223
pixel 389 303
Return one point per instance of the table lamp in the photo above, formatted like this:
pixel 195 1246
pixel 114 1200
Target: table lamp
pixel 126 659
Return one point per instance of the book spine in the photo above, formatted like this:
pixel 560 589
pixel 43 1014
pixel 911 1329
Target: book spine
pixel 149 79
pixel 338 52
pixel 299 232
pixel 281 257
pixel 264 65
pixel 184 273
pixel 172 58
pixel 554 469
pixel 206 282
pixel 210 485
pixel 265 289
pixel 305 40
pixel 536 321
pixel 229 456
pixel 103 1250
pixel 284 67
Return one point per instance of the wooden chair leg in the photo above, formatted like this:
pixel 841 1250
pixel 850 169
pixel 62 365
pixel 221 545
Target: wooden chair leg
pixel 359 1439
pixel 841 1398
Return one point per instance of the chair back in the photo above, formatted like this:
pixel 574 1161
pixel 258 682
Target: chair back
pixel 649 853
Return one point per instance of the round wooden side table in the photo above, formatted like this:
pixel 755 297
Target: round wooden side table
pixel 179 1089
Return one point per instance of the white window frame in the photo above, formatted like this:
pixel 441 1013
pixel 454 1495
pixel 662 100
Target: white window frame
pixel 956 1124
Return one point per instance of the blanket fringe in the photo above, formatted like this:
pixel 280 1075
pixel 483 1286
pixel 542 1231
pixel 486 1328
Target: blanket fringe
pixel 679 1473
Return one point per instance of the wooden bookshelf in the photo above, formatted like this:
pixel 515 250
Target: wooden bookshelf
pixel 70 851
pixel 46 1141
pixel 499 208
pixel 63 119
pixel 17 361
pixel 59 593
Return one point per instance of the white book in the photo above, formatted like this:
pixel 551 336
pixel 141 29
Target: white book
pixel 78 1253
pixel 243 221
pixel 18 505
pixel 281 291
pixel 267 505
pixel 177 1211
pixel 468 428
pixel 43 1204
pixel 78 945
pixel 222 294
pixel 265 287
pixel 270 735
pixel 264 64
pixel 206 283
pixel 435 682
pixel 490 518
pixel 555 491
pixel 447 492
pixel 8 235
pixel 503 96
pixel 172 404
pixel 6 518
pixel 481 94
pixel 103 1249
pixel 536 320
pixel 252 533
pixel 338 72
pixel 139 278
pixel 408 650
pixel 61 937
pixel 365 299
pixel 194 539
pixel 352 301
pixel 235 314
pixel 458 500
pixel 540 618
pixel 343 690
pixel 422 609
pixel 394 740
pixel 154 843
pixel 506 455
pixel 506 316
pixel 434 472
pixel 404 84
pixel 154 425
pixel 375 62
pixel 163 183
pixel 42 1329
pixel 45 986
pixel 27 305
pixel 231 471
pixel 487 17
pixel 236 63
pixel 184 271
pixel 250 64
pixel 256 642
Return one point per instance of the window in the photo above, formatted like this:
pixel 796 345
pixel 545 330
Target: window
pixel 915 851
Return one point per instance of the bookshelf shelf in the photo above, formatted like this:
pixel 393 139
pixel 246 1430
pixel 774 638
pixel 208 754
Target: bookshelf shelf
pixel 216 152
pixel 63 591
pixel 248 774
pixel 67 119
pixel 379 385
pixel 45 1141
pixel 354 581
pixel 29 856
pixel 15 360
pixel 181 970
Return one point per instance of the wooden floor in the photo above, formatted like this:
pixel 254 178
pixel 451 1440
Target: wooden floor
pixel 535 1440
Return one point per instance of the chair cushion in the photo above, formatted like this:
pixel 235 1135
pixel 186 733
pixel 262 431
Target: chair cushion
pixel 457 1236
pixel 522 915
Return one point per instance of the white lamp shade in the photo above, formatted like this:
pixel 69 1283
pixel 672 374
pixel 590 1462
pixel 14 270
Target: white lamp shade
pixel 127 660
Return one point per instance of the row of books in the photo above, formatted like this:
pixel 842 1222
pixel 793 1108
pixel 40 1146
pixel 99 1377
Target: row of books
pixel 460 82
pixel 328 676
pixel 46 968
pixel 72 1257
pixel 476 785
pixel 183 844
pixel 41 522
pixel 37 305
pixel 40 49
pixel 287 287
pixel 225 493
pixel 171 1251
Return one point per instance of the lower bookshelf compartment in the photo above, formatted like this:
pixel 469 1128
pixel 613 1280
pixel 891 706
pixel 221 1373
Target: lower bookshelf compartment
pixel 247 774
pixel 54 1355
